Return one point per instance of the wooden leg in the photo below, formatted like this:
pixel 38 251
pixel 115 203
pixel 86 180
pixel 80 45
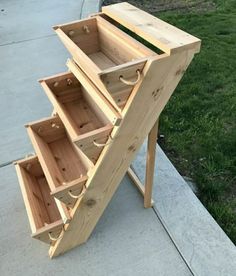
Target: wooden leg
pixel 150 165
pixel 146 190
pixel 133 176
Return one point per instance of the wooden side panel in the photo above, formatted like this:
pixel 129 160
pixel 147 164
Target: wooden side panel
pixel 161 76
pixel 111 78
pixel 75 187
pixel 47 160
pixel 63 114
pixel 86 142
pixel 55 229
pixel 27 193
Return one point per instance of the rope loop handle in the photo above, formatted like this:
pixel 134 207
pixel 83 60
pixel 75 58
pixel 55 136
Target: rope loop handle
pixel 80 195
pixel 100 145
pixel 55 239
pixel 131 83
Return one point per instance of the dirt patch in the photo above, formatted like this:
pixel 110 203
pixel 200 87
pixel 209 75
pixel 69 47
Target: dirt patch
pixel 153 6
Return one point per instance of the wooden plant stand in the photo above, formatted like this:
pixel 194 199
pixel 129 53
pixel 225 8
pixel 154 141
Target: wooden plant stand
pixel 104 108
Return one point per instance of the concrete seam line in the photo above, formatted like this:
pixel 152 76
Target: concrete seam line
pixel 81 10
pixel 173 240
pixel 26 40
pixel 89 8
pixel 9 162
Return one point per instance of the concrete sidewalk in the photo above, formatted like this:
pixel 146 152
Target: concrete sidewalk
pixel 177 237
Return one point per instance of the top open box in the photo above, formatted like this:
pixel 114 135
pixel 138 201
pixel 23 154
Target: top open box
pixel 112 59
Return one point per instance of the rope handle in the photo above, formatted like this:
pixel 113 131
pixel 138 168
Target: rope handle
pixel 80 195
pixel 100 145
pixel 131 83
pixel 55 239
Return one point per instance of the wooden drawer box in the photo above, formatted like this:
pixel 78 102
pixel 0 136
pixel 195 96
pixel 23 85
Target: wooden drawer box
pixel 85 122
pixel 111 58
pixel 44 213
pixel 64 165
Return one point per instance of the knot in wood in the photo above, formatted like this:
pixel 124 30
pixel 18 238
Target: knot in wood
pixel 156 94
pixel 71 33
pixel 180 72
pixel 69 82
pixel 132 148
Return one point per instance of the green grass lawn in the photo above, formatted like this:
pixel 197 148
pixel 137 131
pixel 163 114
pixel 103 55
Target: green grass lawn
pixel 199 122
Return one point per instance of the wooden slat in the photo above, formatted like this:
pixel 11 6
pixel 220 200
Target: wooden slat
pixel 126 44
pixel 27 199
pixel 71 127
pixel 88 138
pixel 111 78
pixel 54 229
pixel 101 60
pixel 74 186
pixel 86 141
pixel 159 33
pixel 150 165
pixel 117 47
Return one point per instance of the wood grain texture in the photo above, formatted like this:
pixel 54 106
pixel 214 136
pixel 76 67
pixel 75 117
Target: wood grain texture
pixel 135 179
pixel 42 210
pixel 159 33
pixel 150 165
pixel 61 161
pixel 101 101
pixel 144 106
pixel 80 113
pixel 105 47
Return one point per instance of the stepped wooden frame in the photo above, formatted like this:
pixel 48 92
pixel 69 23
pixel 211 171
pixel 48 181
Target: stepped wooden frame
pixel 150 80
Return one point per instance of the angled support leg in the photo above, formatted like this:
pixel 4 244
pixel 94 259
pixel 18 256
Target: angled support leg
pixel 146 190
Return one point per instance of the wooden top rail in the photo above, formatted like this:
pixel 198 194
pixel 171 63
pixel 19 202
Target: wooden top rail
pixel 159 33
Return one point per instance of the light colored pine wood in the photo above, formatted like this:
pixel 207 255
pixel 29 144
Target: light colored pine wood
pixel 75 187
pixel 84 120
pixel 102 60
pixel 115 48
pixel 144 106
pixel 140 107
pixel 159 33
pixel 117 45
pixel 113 115
pixel 133 176
pixel 150 165
pixel 43 214
pixel 86 142
pixel 110 77
pixel 60 161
